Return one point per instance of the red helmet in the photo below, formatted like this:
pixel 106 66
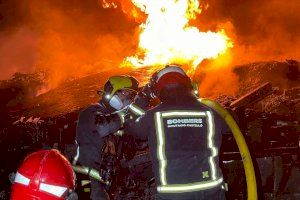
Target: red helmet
pixel 171 75
pixel 44 175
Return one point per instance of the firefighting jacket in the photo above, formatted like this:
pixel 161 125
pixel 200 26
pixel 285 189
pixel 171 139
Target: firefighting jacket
pixel 184 138
pixel 94 123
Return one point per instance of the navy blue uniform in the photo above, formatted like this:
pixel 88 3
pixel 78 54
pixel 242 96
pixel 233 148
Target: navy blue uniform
pixel 94 123
pixel 184 138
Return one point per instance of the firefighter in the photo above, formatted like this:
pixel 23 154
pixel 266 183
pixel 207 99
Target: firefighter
pixel 184 138
pixel 100 120
pixel 44 175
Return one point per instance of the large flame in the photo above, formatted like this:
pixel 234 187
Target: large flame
pixel 166 36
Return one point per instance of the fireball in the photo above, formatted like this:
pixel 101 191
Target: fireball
pixel 167 38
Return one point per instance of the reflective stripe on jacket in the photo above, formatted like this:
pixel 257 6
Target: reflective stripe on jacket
pixel 202 123
pixel 184 141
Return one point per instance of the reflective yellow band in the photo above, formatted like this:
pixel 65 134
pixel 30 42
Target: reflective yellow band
pixel 210 144
pixel 162 160
pixel 77 154
pixel 191 187
pixel 136 110
pixel 161 148
pixel 183 113
pixel 85 182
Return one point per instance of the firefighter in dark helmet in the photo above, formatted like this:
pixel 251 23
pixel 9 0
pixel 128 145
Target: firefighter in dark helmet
pixel 184 138
pixel 100 120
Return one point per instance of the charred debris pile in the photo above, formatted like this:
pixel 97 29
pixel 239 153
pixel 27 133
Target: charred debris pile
pixel 268 112
pixel 267 107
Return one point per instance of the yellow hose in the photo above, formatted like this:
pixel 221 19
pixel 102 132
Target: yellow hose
pixel 90 172
pixel 241 143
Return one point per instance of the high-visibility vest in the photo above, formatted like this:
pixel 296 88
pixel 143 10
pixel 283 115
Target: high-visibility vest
pixel 177 119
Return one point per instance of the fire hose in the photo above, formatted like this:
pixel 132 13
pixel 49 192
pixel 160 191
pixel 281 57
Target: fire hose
pixel 240 140
pixel 241 143
pixel 93 173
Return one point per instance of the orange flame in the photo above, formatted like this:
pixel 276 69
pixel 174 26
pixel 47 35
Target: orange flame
pixel 108 4
pixel 166 37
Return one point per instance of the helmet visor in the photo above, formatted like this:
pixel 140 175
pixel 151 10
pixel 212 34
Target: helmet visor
pixel 116 102
pixel 122 98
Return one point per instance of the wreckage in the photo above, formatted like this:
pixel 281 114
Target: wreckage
pixel 267 115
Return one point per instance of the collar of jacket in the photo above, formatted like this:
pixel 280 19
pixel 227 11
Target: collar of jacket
pixel 177 96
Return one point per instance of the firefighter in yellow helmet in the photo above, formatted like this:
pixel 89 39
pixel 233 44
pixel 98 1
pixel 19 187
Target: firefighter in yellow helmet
pixel 184 138
pixel 100 120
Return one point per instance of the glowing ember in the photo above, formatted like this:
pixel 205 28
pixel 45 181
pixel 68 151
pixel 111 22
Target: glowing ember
pixel 167 38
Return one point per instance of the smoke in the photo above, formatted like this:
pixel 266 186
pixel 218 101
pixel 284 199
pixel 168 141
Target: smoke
pixel 261 30
pixel 73 38
pixel 18 52
pixel 65 38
